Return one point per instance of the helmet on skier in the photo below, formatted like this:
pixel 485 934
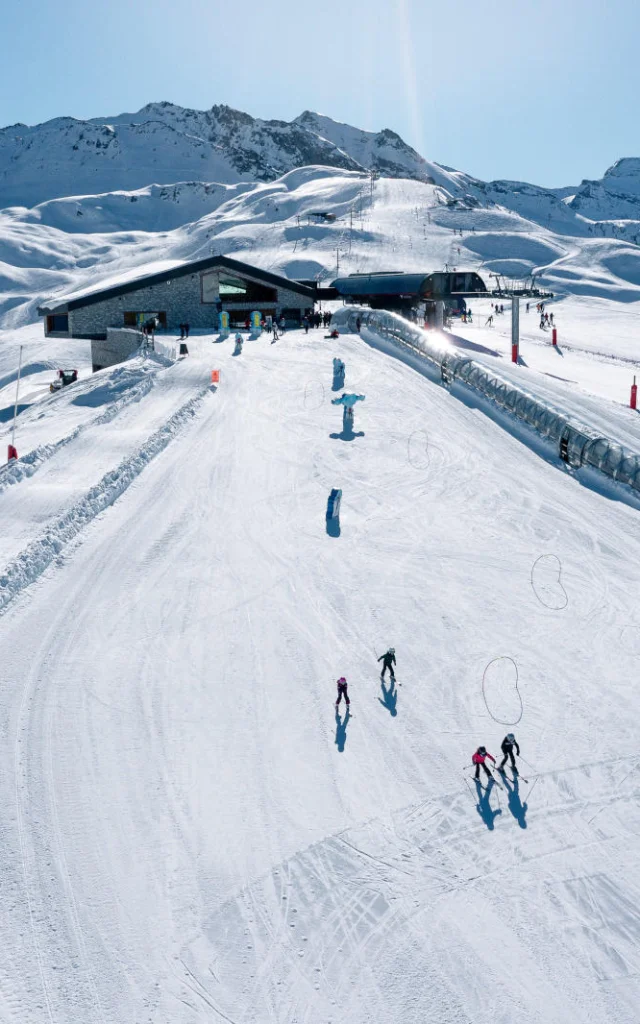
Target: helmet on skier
pixel 482 750
pixel 511 737
pixel 342 679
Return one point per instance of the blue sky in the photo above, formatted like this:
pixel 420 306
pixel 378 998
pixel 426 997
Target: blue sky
pixel 545 92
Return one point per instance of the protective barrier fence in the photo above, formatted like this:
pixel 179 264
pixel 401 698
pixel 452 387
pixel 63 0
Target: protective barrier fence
pixel 578 444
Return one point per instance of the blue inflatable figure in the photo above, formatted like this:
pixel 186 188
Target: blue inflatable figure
pixel 347 402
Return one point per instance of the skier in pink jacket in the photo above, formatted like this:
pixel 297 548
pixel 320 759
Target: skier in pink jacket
pixel 479 759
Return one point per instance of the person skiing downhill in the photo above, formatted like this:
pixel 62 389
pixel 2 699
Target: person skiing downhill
pixel 479 759
pixel 508 743
pixel 342 691
pixel 388 661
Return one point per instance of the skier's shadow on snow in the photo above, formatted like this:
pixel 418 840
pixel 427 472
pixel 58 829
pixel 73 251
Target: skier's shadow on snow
pixel 389 697
pixel 484 808
pixel 345 435
pixel 341 730
pixel 517 808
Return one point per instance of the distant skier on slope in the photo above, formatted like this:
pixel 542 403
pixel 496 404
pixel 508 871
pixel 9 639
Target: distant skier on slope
pixel 342 691
pixel 479 759
pixel 508 743
pixel 388 661
pixel 489 321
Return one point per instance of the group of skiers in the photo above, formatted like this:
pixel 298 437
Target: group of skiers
pixel 388 660
pixel 508 745
pixel 546 320
pixel 316 320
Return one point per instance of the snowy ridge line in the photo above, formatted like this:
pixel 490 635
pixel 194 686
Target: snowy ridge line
pixel 578 444
pixel 25 467
pixel 33 561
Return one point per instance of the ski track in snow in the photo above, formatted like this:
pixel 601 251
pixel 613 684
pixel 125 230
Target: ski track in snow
pixel 184 840
pixel 35 559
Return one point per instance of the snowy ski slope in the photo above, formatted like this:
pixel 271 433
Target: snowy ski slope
pixel 189 833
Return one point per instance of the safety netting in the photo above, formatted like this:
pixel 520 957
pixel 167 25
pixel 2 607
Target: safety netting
pixel 579 445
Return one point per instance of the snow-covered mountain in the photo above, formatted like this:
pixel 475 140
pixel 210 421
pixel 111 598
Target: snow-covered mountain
pixel 93 199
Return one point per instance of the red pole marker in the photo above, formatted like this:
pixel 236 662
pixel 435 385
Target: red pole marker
pixel 12 453
pixel 514 353
pixel 554 336
pixel 634 395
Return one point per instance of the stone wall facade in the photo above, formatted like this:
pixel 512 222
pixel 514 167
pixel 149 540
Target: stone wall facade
pixel 115 348
pixel 180 299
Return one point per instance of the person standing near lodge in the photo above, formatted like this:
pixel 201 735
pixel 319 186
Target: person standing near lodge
pixel 186 330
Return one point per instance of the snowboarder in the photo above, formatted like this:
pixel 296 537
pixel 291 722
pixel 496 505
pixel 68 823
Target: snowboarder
pixel 479 759
pixel 388 661
pixel 342 691
pixel 508 743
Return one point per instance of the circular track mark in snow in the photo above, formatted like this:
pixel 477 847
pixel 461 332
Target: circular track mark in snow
pixel 546 582
pixel 500 691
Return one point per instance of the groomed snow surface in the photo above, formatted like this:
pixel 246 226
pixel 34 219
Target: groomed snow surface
pixel 189 831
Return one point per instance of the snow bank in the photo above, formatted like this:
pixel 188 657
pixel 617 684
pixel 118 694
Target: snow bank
pixel 39 555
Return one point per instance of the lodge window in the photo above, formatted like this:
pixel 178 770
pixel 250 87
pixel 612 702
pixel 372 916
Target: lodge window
pixel 137 318
pixel 228 288
pixel 59 322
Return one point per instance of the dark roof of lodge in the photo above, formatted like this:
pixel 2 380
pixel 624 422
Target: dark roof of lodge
pixel 380 284
pixel 193 267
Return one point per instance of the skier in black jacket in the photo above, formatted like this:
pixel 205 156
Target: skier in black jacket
pixel 508 743
pixel 388 661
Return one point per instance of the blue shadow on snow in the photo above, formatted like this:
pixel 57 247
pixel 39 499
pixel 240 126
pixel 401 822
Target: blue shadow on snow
pixel 390 697
pixel 483 807
pixel 517 808
pixel 341 729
